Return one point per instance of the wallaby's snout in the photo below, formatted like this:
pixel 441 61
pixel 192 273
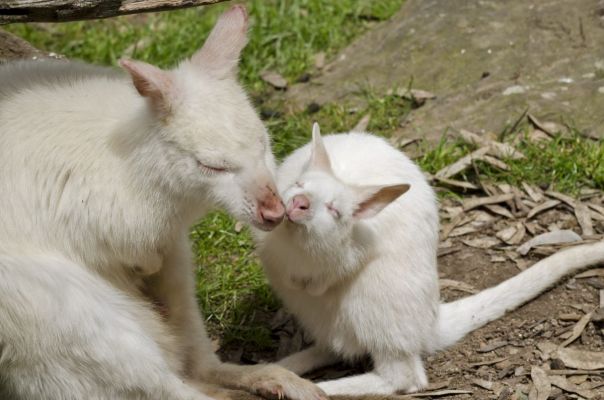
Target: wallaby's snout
pixel 270 208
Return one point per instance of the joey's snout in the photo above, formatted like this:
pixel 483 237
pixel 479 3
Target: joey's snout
pixel 297 207
pixel 270 209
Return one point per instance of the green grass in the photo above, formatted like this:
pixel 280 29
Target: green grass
pixel 284 36
pixel 231 287
pixel 566 163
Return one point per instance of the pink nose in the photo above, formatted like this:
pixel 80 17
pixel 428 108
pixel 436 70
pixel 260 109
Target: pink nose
pixel 272 216
pixel 297 207
pixel 270 209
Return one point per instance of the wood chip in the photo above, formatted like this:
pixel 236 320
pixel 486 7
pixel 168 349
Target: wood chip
pixel 590 274
pixel 446 251
pixel 458 220
pixel 456 183
pixel 417 95
pixel 549 128
pixel 402 143
pixel 597 208
pixel 542 207
pixel 584 218
pixel 569 317
pixel 493 346
pixel 495 209
pixel 482 242
pixel 578 329
pixel 541 384
pixel 494 387
pixel 435 393
pixel 496 149
pixel 579 359
pixel 361 126
pixel 274 79
pixel 457 285
pixel 488 362
pixel 533 192
pixel 462 163
pixel 574 372
pixel 495 162
pixel 581 212
pixel 601 298
pixel 462 231
pixel 512 235
pixel 537 135
pixel 564 384
pixel 555 237
pixel 504 150
pixel 488 385
pixel 438 385
pixel 474 202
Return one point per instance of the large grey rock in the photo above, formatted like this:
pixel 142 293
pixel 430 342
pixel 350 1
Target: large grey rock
pixel 487 61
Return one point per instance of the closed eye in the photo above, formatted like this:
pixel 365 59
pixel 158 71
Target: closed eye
pixel 332 210
pixel 211 168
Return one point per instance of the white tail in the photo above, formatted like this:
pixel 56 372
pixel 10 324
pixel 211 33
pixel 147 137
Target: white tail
pixel 458 318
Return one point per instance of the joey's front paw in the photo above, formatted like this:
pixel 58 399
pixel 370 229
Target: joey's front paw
pixel 274 382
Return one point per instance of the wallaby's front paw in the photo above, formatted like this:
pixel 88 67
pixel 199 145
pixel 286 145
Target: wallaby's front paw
pixel 274 382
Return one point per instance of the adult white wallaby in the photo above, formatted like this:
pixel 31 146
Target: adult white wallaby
pixel 102 174
pixel 355 262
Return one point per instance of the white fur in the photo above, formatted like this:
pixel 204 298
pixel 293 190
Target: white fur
pixel 363 284
pixel 102 176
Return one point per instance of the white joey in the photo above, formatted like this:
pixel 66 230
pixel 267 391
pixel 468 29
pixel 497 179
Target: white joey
pixel 355 261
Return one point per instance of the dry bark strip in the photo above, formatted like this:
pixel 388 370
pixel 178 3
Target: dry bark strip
pixel 457 285
pixel 554 237
pixel 581 211
pixel 455 183
pixel 578 329
pixel 534 193
pixel 436 393
pixel 562 383
pixel 474 202
pixel 461 164
pixel 542 387
pixel 542 207
pixel 72 10
pixel 496 149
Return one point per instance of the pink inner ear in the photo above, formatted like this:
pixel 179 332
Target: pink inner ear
pixel 374 200
pixel 150 82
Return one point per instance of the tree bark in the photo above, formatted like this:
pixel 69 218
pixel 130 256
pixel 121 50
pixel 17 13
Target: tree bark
pixel 72 10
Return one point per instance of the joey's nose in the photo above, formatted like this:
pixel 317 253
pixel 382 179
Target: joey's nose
pixel 297 207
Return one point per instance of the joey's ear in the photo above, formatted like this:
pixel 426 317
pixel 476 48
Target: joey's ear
pixel 150 82
pixel 319 159
pixel 219 55
pixel 372 199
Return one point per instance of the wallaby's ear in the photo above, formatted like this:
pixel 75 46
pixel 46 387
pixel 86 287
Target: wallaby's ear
pixel 219 55
pixel 372 199
pixel 150 82
pixel 319 159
